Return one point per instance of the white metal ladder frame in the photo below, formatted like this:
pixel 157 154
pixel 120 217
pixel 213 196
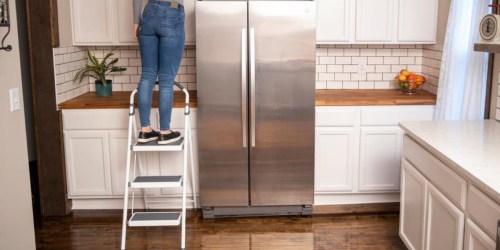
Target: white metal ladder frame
pixel 132 131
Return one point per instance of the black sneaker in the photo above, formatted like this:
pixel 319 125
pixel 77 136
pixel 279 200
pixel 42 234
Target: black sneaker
pixel 148 136
pixel 172 137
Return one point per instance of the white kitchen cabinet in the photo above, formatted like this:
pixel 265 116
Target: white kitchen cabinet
pixel 125 22
pixel 92 21
pixel 96 157
pixel 87 163
pixel 476 239
pixel 375 20
pixel 111 22
pixel 118 159
pixel 413 207
pixel 336 155
pixel 380 158
pixel 433 214
pixel 333 20
pixel 412 27
pixel 189 21
pixel 358 152
pixel 445 222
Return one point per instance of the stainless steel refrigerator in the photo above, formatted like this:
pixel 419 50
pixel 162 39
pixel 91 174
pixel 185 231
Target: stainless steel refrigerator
pixel 255 67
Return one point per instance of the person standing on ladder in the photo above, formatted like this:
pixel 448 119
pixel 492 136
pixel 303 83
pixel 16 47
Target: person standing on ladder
pixel 160 32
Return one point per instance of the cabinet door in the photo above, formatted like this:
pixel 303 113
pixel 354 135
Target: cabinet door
pixel 413 28
pixel 445 222
pixel 171 163
pixel 413 203
pixel 477 239
pixel 118 160
pixel 375 20
pixel 333 20
pixel 125 22
pixel 92 21
pixel 380 159
pixel 335 159
pixel 189 22
pixel 87 163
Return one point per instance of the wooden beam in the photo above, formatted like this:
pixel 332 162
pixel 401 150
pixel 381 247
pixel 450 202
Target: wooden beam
pixel 47 120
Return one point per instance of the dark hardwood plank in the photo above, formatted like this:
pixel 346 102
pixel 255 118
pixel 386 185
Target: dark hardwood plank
pixel 47 120
pixel 390 207
pixel 102 230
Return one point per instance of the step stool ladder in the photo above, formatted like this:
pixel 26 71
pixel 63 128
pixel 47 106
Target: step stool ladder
pixel 145 219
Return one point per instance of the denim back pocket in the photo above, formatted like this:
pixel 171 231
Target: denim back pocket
pixel 172 22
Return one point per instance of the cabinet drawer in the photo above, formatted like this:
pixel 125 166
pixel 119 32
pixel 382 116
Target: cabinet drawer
pixel 336 117
pixel 483 210
pixel 391 116
pixel 95 119
pixel 447 181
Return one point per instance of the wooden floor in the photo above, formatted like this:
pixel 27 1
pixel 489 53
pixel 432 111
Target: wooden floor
pixel 102 230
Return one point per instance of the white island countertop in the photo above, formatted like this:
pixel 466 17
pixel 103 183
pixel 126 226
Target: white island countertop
pixel 471 148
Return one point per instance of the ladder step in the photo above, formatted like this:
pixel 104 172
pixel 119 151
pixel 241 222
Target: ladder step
pixel 155 219
pixel 156 181
pixel 154 146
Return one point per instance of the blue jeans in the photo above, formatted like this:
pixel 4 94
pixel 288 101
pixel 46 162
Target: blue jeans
pixel 161 42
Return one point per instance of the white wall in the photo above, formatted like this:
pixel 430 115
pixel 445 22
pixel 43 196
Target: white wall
pixel 16 216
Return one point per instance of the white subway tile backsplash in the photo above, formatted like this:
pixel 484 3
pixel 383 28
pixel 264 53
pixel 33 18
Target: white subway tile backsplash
pixel 351 52
pixel 374 77
pixel 384 52
pixel 391 60
pixel 358 60
pixel 366 85
pixel 334 85
pixel 343 60
pixel 407 60
pixel 320 68
pixel 375 60
pixel 337 66
pixel 326 76
pixel 322 52
pixel 383 68
pixel 320 85
pixel 350 85
pixel 400 52
pixel 334 68
pixel 342 76
pixel 351 68
pixel 327 60
pixel 368 52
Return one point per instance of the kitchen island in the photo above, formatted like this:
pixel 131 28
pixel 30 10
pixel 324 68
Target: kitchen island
pixel 357 159
pixel 450 191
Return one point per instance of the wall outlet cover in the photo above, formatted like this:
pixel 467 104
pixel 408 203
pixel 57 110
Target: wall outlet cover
pixel 15 103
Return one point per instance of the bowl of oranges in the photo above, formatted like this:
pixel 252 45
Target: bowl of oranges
pixel 409 82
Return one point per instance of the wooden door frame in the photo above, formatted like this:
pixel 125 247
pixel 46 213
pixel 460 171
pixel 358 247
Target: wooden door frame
pixel 43 36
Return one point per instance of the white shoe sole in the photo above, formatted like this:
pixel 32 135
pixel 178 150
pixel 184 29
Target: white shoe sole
pixel 170 141
pixel 147 140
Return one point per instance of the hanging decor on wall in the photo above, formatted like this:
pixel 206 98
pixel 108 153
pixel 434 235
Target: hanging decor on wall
pixel 5 22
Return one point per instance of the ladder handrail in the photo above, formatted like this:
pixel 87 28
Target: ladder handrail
pixel 179 85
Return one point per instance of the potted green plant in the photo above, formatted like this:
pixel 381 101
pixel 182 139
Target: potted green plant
pixel 99 70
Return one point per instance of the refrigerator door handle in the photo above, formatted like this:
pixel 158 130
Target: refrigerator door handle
pixel 252 85
pixel 244 93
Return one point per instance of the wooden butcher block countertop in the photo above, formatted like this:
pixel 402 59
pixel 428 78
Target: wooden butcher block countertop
pixel 323 98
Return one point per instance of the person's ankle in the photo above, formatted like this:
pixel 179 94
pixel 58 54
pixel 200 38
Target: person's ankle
pixel 165 132
pixel 146 129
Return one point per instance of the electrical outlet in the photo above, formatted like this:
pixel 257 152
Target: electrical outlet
pixel 362 68
pixel 15 103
